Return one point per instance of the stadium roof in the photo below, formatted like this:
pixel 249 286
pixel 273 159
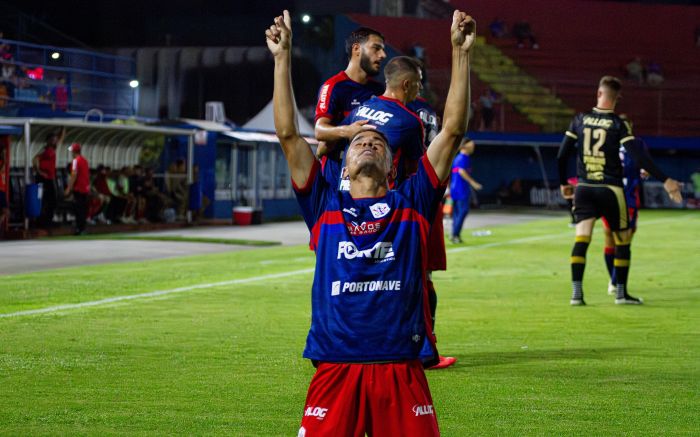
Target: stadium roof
pixel 108 143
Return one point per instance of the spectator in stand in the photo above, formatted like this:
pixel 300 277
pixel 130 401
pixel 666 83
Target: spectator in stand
pixel 106 184
pixel 486 102
pixel 8 81
pixel 156 201
pixel 95 200
pixel 123 191
pixel 59 95
pixel 136 181
pixel 177 186
pixel 44 164
pixel 522 33
pixel 654 75
pixel 635 70
pixel 79 187
pixel 5 49
pixel 498 28
pixel 100 189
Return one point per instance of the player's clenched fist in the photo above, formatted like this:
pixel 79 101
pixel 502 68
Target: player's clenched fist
pixel 279 35
pixel 463 31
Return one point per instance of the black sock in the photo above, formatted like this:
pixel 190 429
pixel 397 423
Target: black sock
pixel 578 265
pixel 623 255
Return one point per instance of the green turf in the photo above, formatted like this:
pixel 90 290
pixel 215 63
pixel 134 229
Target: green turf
pixel 227 360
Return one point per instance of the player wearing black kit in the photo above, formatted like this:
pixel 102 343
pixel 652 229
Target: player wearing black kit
pixel 596 137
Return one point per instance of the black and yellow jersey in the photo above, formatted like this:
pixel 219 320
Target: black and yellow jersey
pixel 596 136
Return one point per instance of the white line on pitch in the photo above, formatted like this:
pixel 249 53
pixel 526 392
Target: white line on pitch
pixel 551 236
pixel 152 294
pixel 272 276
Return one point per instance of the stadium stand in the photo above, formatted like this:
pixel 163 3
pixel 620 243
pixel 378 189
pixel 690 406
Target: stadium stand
pixel 574 54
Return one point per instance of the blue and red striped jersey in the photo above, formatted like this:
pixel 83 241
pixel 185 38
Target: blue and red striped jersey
pixel 402 128
pixel 459 188
pixel 631 175
pixel 339 95
pixel 428 116
pixel 369 296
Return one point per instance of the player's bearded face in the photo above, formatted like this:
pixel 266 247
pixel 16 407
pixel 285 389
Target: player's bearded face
pixel 367 65
pixel 371 55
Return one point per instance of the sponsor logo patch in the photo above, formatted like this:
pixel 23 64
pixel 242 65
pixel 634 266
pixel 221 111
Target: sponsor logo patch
pixel 317 412
pixel 382 251
pixel 322 103
pixel 364 228
pixel 380 117
pixel 351 211
pixel 379 210
pixel 364 286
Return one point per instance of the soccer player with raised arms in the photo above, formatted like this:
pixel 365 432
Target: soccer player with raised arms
pixel 369 309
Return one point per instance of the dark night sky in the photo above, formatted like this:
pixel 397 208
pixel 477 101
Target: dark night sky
pixel 147 22
pixel 114 23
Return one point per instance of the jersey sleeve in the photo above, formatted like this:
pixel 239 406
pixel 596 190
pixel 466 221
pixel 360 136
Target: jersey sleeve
pixel 625 132
pixel 567 147
pixel 424 189
pixel 640 155
pixel 413 141
pixel 327 104
pixel 313 196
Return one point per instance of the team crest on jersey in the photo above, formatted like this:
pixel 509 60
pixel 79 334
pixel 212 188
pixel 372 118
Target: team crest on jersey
pixel 379 210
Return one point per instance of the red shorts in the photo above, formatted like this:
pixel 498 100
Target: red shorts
pixel 437 258
pixel 391 399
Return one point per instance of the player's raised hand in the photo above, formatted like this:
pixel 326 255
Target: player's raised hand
pixel 673 188
pixel 279 35
pixel 463 31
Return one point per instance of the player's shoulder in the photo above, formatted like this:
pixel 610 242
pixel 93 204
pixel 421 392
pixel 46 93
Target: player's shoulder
pixel 337 78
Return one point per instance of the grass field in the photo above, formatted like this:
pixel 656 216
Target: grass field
pixel 202 359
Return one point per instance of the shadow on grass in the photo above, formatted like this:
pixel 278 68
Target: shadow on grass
pixel 527 355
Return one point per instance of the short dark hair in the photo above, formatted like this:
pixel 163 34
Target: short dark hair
pixel 398 66
pixel 612 83
pixel 359 36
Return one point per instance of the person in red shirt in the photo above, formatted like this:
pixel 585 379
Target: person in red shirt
pixel 79 186
pixel 44 164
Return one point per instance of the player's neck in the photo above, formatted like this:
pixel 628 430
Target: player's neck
pixel 364 185
pixel 356 73
pixel 605 104
pixel 399 95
